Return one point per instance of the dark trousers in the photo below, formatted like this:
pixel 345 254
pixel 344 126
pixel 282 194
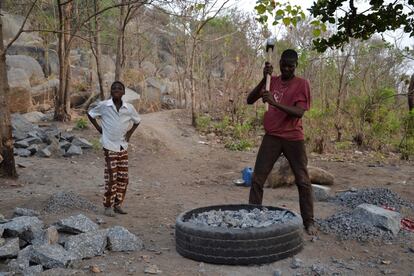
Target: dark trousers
pixel 294 151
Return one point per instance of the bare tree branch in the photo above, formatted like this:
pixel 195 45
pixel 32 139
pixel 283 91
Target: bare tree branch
pixel 21 28
pixel 59 32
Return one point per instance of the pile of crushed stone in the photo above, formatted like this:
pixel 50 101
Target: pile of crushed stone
pixel 344 226
pixel 376 196
pixel 63 201
pixel 241 218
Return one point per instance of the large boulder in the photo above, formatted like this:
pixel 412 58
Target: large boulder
pixel 35 116
pixel 29 65
pixel 168 72
pixel 20 100
pixel 45 92
pixel 131 97
pixel 19 95
pixel 148 68
pixel 18 77
pixel 49 62
pixel 11 24
pixel 282 175
pixel 107 64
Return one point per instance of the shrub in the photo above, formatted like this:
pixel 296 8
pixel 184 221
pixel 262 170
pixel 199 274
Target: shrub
pixel 239 145
pixel 81 123
pixel 203 123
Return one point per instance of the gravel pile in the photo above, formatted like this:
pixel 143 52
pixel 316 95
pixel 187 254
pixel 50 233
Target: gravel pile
pixel 376 196
pixel 241 218
pixel 345 227
pixel 63 201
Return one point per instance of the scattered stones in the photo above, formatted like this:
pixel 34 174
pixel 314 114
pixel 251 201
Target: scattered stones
pixel 45 152
pixel 10 249
pixel 321 193
pixel 296 263
pixel 76 224
pixel 22 152
pixel 81 142
pixel 63 237
pixel 23 260
pixel 242 218
pixel 65 145
pixel 277 272
pixel 120 239
pixel 26 228
pixel 63 201
pixel 33 270
pixel 318 269
pixel 48 236
pixel 201 268
pixel 51 256
pixel 33 149
pixel 20 212
pixel 26 135
pixel 73 150
pixel 95 269
pixel 63 272
pixel 378 217
pixel 21 124
pixel 152 269
pixel 87 245
pixel 21 144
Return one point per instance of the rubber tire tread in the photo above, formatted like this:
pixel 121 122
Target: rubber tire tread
pixel 237 246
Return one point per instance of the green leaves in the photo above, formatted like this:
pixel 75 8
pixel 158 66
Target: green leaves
pixel 285 13
pixel 361 23
pixel 316 32
pixel 260 9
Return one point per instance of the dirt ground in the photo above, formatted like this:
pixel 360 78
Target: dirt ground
pixel 171 172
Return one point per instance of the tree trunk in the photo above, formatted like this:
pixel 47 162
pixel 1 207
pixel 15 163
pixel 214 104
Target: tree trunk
pixel 96 50
pixel 61 112
pixel 119 44
pixel 7 164
pixel 410 94
pixel 192 82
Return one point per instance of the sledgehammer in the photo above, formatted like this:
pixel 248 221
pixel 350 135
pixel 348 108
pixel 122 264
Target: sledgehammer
pixel 270 44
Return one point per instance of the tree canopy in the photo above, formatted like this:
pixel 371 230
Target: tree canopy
pixel 351 20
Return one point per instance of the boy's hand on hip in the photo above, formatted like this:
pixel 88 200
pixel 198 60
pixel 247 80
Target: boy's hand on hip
pixel 127 136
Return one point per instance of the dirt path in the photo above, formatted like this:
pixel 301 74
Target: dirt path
pixel 171 172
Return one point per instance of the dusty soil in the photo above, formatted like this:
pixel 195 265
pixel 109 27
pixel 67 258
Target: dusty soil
pixel 171 171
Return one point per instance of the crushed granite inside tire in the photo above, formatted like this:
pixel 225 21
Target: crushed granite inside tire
pixel 238 246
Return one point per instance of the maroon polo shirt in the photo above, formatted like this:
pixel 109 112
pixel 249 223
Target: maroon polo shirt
pixel 294 92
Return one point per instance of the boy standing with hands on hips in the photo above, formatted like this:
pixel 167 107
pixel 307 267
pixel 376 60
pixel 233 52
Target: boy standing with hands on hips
pixel 116 117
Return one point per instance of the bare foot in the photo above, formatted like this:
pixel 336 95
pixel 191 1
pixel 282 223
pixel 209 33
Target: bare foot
pixel 311 230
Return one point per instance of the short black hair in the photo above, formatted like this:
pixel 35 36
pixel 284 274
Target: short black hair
pixel 290 54
pixel 118 82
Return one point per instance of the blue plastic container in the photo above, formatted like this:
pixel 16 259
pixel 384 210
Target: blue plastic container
pixel 247 176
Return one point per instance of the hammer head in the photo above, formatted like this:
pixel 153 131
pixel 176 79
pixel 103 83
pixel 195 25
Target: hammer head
pixel 270 44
